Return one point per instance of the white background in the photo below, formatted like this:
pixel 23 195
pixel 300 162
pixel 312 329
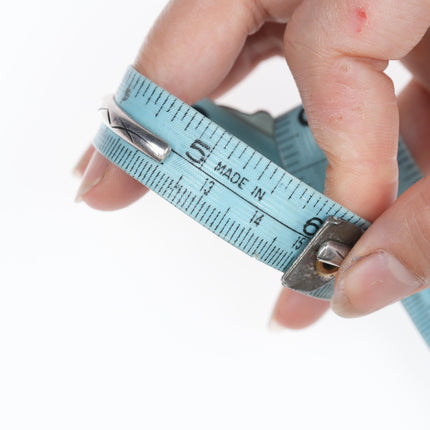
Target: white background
pixel 141 318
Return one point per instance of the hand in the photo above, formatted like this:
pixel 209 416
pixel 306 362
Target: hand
pixel 337 51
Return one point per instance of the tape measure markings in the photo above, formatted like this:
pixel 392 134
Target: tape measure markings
pixel 240 191
pixel 124 157
pixel 237 233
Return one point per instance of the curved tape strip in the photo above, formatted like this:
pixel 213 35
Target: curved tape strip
pixel 240 191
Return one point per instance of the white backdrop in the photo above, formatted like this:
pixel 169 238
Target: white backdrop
pixel 117 320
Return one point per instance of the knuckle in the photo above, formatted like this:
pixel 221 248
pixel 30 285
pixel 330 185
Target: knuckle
pixel 256 12
pixel 298 39
pixel 355 29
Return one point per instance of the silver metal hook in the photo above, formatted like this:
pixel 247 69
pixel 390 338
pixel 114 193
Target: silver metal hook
pixel 132 132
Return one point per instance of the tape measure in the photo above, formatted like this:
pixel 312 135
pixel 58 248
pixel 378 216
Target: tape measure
pixel 254 180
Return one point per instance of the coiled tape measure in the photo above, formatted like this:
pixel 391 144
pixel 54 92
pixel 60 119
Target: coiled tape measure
pixel 228 171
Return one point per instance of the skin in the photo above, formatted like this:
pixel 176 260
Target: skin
pixel 337 51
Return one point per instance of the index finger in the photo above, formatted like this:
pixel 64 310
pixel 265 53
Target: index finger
pixel 189 51
pixel 338 50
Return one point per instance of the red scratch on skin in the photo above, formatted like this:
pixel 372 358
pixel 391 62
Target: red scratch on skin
pixel 360 18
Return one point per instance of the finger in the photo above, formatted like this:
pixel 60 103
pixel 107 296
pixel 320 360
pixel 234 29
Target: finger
pixel 189 52
pixel 414 104
pixel 414 107
pixel 392 259
pixel 121 192
pixel 418 62
pixel 337 50
pixel 294 310
pixel 82 164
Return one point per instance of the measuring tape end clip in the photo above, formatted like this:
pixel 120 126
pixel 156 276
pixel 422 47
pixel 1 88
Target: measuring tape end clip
pixel 319 261
pixel 132 132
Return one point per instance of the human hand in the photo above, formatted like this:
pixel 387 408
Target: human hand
pixel 337 51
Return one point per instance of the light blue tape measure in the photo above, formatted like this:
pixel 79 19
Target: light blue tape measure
pixel 228 171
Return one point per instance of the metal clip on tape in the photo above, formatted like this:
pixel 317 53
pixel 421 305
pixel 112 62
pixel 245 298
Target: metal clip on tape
pixel 318 263
pixel 132 132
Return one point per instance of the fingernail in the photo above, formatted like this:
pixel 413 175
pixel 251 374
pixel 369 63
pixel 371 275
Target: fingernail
pixel 274 325
pixel 373 282
pixel 82 164
pixel 93 175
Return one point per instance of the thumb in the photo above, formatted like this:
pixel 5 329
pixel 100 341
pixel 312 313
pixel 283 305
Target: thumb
pixel 391 261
